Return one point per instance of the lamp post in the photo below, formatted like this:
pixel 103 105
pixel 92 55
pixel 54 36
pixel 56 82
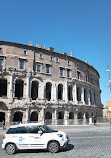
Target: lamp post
pixel 109 80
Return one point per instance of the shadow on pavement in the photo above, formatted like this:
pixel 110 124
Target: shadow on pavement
pixel 69 147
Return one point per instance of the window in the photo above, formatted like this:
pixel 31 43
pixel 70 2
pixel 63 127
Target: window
pixel 33 129
pixel 41 56
pixel 47 68
pixel 68 73
pixel 78 75
pixel 57 60
pixel 77 65
pixel 1 64
pixel 61 71
pixel 38 67
pixel 17 130
pixel 21 64
pixel 25 52
pixel 51 58
pixel 68 62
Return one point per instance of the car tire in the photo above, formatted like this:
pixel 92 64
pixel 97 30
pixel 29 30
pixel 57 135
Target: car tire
pixel 53 147
pixel 11 149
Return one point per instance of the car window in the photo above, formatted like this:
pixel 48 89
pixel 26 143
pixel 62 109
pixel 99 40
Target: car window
pixel 33 129
pixel 17 130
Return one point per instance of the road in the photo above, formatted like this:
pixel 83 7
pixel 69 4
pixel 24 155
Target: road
pixel 85 142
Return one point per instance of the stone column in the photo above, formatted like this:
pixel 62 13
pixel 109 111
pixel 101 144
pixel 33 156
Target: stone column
pixel 54 92
pixel 41 116
pixel 65 92
pixel 54 117
pixel 27 115
pixel 10 87
pixel 8 119
pixel 75 119
pixel 41 91
pixel 27 87
pixel 84 119
pixel 82 95
pixel 75 93
pixel 66 117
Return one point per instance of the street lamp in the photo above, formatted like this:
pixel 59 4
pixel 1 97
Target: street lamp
pixel 109 80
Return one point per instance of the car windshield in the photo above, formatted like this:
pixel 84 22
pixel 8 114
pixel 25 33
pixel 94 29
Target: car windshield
pixel 46 129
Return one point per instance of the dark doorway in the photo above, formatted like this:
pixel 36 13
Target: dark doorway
pixel 3 87
pixel 2 116
pixel 48 91
pixel 18 117
pixel 34 90
pixel 34 116
pixel 19 89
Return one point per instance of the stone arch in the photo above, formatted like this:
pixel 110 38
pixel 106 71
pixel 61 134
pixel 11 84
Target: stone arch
pixel 34 90
pixel 71 115
pixel 80 115
pixel 48 90
pixel 2 116
pixel 60 115
pixel 78 93
pixel 18 116
pixel 48 115
pixel 70 97
pixel 34 116
pixel 3 87
pixel 19 85
pixel 60 91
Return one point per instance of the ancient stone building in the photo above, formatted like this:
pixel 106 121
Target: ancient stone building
pixel 39 84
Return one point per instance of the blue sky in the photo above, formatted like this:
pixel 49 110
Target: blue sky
pixel 81 26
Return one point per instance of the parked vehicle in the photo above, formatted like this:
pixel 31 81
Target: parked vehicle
pixel 33 136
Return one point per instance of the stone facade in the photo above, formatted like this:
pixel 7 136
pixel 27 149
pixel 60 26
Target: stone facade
pixel 39 84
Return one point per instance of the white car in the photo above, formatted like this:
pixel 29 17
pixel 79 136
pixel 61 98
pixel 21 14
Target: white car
pixel 33 136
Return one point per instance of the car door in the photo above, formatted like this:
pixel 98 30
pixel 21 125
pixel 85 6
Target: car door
pixel 21 137
pixel 36 140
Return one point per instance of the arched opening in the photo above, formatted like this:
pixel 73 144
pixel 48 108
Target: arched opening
pixel 48 115
pixel 34 116
pixel 60 91
pixel 78 94
pixel 70 97
pixel 3 87
pixel 48 91
pixel 2 116
pixel 19 88
pixel 34 90
pixel 80 115
pixel 17 117
pixel 60 115
pixel 85 96
pixel 71 115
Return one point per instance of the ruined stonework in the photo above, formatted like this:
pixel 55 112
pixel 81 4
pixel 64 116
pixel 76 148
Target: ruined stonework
pixel 39 84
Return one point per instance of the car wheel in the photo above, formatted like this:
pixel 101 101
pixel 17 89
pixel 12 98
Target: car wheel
pixel 53 147
pixel 11 149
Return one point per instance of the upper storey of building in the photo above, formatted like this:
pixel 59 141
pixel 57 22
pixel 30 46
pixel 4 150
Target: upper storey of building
pixel 46 63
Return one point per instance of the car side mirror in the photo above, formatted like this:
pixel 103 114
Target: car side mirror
pixel 40 132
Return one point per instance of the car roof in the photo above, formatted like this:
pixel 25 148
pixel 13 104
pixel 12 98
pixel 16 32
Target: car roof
pixel 26 124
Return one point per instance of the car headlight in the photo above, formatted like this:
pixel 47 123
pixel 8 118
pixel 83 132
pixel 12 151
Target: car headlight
pixel 60 135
